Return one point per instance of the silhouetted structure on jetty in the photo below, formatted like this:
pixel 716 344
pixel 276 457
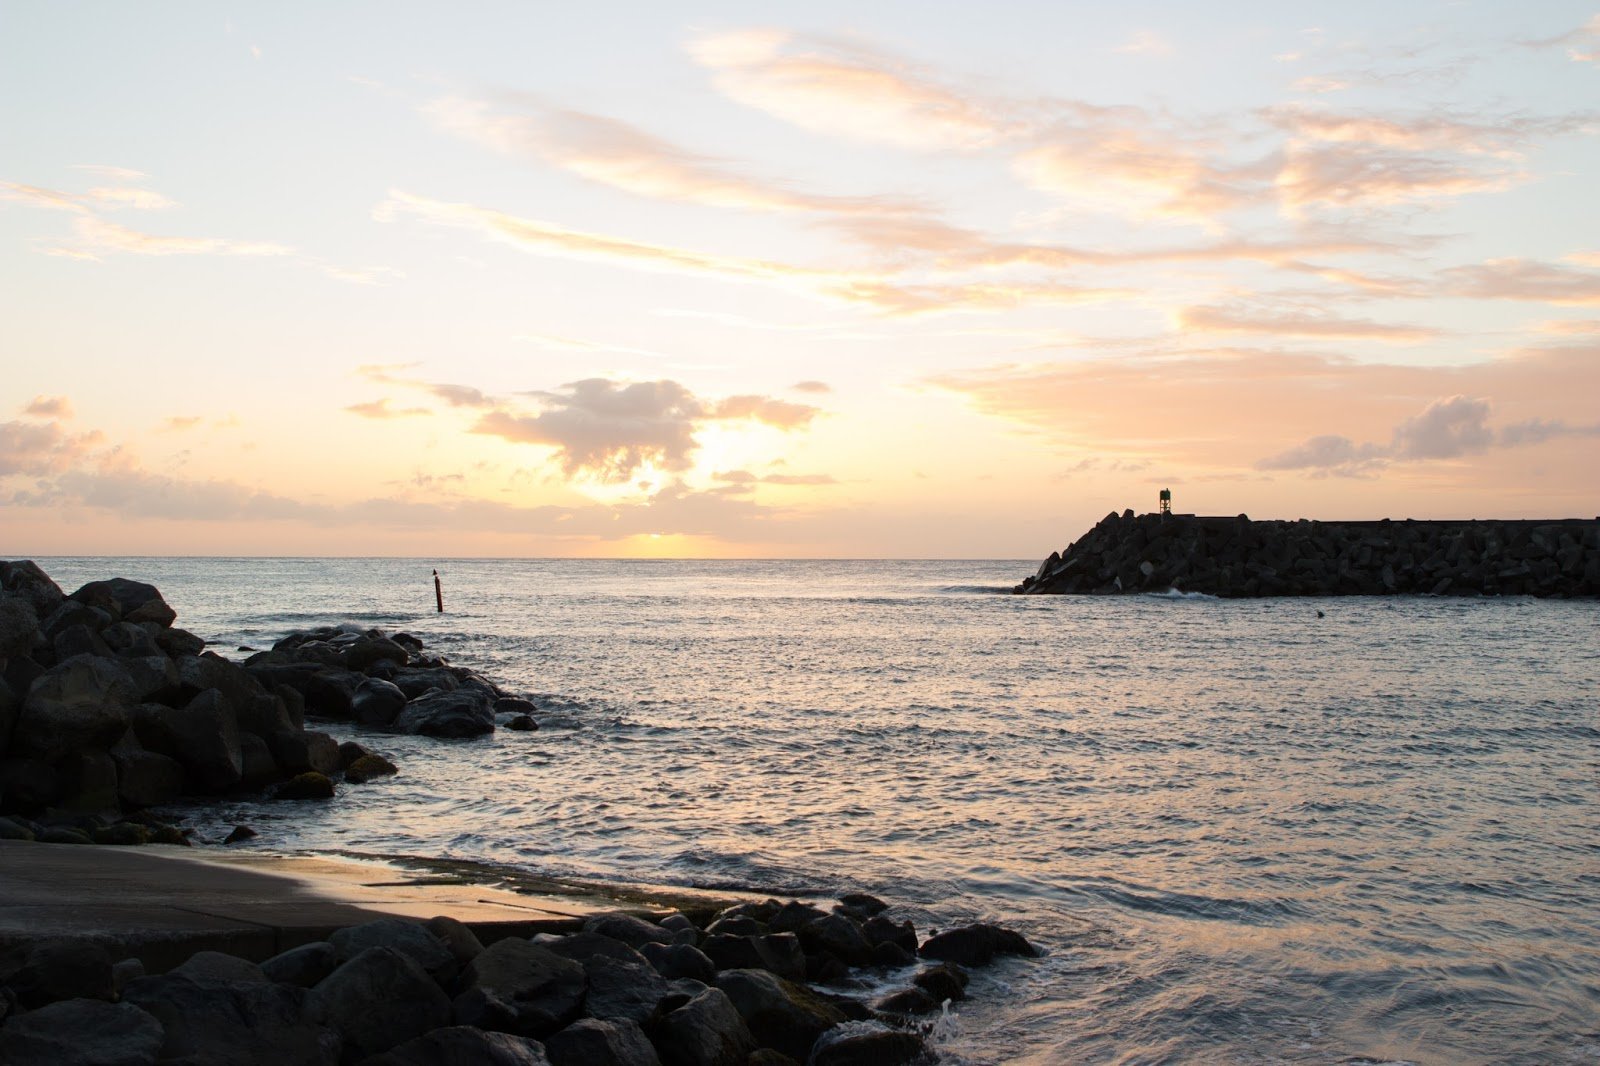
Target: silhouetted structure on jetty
pixel 1237 557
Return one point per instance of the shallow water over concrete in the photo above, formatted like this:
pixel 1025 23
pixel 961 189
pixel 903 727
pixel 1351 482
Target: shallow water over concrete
pixel 1245 833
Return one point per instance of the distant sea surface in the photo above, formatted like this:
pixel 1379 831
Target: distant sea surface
pixel 1244 833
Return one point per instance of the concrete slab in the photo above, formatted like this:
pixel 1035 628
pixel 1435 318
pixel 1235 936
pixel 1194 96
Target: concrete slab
pixel 163 903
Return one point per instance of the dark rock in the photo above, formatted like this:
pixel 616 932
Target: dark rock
pixel 203 735
pixel 124 971
pixel 462 713
pixel 411 939
pixel 60 834
pixel 767 1057
pixel 240 833
pixel 179 642
pixel 793 916
pixel 130 641
pixel 81 704
pixel 123 833
pixel 704 1030
pixel 892 955
pixel 522 723
pixel 88 782
pixel 367 768
pixel 907 1001
pixel 862 906
pixel 19 626
pixel 462 943
pixel 946 981
pixel 234 1024
pixel 780 1014
pixel 168 834
pixel 216 967
pixel 350 751
pixel 518 987
pixel 462 1045
pixel 591 1042
pixel 130 601
pixel 514 705
pixel 630 929
pixel 839 936
pixel 53 970
pixel 259 768
pixel 304 966
pixel 81 1032
pixel 977 945
pixel 825 969
pixel 867 1044
pixel 378 999
pixel 779 953
pixel 24 579
pixel 376 703
pixel 416 683
pixel 881 930
pixel 582 946
pixel 621 990
pixel 330 692
pixel 154 677
pixel 673 961
pixel 362 654
pixel 309 785
pixel 28 785
pixel 677 923
pixel 739 925
pixel 11 829
pixel 298 752
pixel 78 640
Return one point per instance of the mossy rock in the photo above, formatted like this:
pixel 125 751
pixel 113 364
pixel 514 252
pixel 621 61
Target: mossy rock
pixel 126 833
pixel 309 785
pixel 368 766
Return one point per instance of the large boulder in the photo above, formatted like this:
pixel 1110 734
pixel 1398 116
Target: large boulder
pixel 622 990
pixel 304 966
pixel 145 778
pixel 703 1030
pixel 591 1042
pixel 839 936
pixel 299 751
pixel 25 580
pixel 462 1045
pixel 463 713
pixel 220 1024
pixel 418 682
pixel 203 735
pixel 976 945
pixel 780 1014
pixel 362 654
pixel 377 703
pixel 130 601
pixel 628 928
pixel 19 626
pixel 867 1044
pixel 411 939
pixel 378 999
pixel 76 705
pixel 779 953
pixel 82 1032
pixel 52 970
pixel 518 987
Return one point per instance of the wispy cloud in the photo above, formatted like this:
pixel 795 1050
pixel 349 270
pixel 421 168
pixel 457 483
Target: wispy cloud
pixel 1522 279
pixel 41 448
pixel 380 409
pixel 844 88
pixel 1297 323
pixel 48 407
pixel 614 153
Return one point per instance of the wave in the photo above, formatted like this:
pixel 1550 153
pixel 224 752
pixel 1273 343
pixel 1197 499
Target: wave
pixel 1178 594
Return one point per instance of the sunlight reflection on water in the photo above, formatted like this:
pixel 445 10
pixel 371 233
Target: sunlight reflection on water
pixel 1245 833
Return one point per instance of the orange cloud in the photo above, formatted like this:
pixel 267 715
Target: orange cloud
pixel 1297 324
pixel 1522 279
pixel 33 448
pixel 49 407
pixel 380 409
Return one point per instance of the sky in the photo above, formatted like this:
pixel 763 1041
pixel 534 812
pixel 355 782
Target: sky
pixel 787 280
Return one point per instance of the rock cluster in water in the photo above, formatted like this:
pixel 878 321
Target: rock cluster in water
pixel 623 991
pixel 1236 557
pixel 107 709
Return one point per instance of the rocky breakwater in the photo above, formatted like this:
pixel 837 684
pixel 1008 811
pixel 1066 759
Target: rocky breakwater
pixel 1237 557
pixel 107 709
pixel 759 984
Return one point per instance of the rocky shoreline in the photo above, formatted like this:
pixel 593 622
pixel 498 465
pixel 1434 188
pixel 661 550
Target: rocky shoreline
pixel 758 984
pixel 1237 557
pixel 107 711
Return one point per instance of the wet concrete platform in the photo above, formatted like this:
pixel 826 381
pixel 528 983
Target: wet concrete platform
pixel 163 903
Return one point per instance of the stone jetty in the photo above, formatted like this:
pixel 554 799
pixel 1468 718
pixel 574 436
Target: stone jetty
pixel 1238 557
pixel 107 709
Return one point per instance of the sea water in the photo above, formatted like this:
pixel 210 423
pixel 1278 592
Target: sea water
pixel 1290 830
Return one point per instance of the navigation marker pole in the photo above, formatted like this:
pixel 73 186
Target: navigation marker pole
pixel 438 592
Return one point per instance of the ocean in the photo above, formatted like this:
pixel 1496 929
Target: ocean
pixel 1243 831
